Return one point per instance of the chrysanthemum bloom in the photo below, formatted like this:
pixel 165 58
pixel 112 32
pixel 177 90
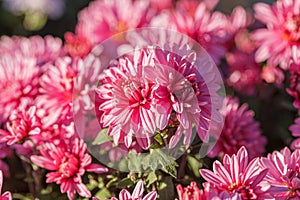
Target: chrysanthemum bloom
pixel 244 72
pixel 67 164
pixel 283 174
pixel 240 129
pixel 136 194
pixel 294 89
pixel 281 37
pixel 43 50
pixel 181 90
pixel 56 90
pixel 208 29
pixel 238 178
pixel 191 192
pixel 102 19
pixel 5 195
pixel 20 125
pixel 295 129
pixel 19 83
pixel 152 90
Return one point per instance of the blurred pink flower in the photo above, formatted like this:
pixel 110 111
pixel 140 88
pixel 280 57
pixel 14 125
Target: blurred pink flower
pixel 20 125
pixel 272 74
pixel 281 37
pixel 56 91
pixel 238 178
pixel 207 28
pixel 294 89
pixel 5 152
pixel 240 129
pixel 244 72
pixel 104 18
pixel 283 174
pixel 5 195
pixel 191 192
pixel 77 45
pixel 295 129
pixel 68 164
pixel 160 5
pixel 19 83
pixel 137 194
pixel 43 50
pixel 115 153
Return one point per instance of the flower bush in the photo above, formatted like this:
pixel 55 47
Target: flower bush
pixel 147 99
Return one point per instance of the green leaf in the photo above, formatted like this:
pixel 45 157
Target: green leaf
pixel 103 194
pixel 151 178
pixel 134 162
pixel 102 137
pixel 125 182
pixel 194 165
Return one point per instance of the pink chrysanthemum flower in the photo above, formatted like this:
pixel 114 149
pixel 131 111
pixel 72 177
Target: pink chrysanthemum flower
pixel 282 35
pixel 126 99
pixel 191 192
pixel 240 129
pixel 56 91
pixel 237 178
pixel 19 83
pixel 20 125
pixel 102 19
pixel 43 50
pixel 295 129
pixel 5 195
pixel 208 29
pixel 149 91
pixel 283 174
pixel 294 89
pixel 68 164
pixel 137 194
pixel 244 72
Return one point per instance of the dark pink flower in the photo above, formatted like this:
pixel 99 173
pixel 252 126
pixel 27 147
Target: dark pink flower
pixel 21 125
pixel 5 195
pixel 294 89
pixel 191 192
pixel 240 129
pixel 295 129
pixel 281 37
pixel 244 72
pixel 207 28
pixel 67 164
pixel 283 174
pixel 237 177
pixel 5 152
pixel 137 194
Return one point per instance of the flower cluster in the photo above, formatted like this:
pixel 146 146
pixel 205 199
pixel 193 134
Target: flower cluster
pixel 139 82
